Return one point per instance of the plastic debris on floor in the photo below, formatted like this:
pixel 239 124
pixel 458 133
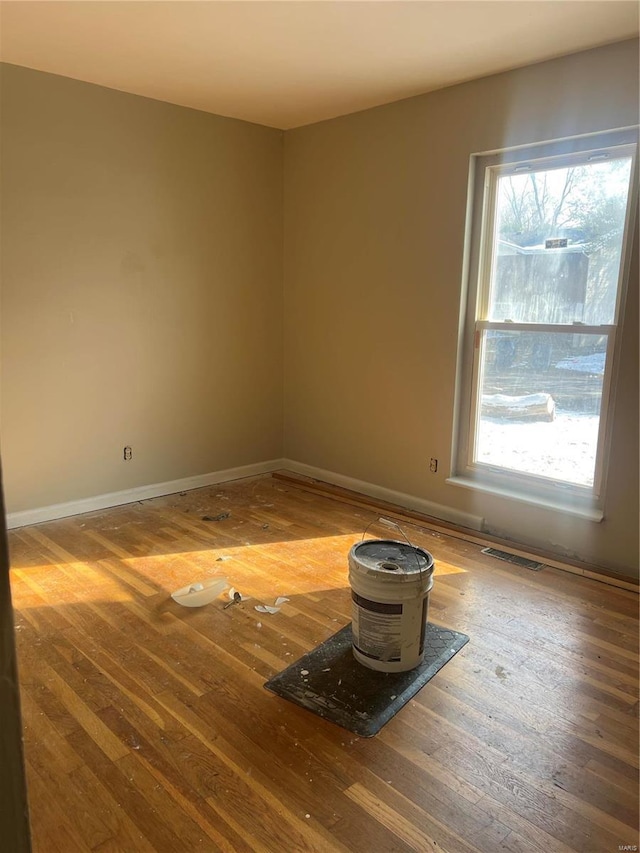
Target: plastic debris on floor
pixel 274 608
pixel 199 593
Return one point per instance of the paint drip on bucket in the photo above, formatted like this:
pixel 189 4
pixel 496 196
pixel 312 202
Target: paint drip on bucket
pixel 390 584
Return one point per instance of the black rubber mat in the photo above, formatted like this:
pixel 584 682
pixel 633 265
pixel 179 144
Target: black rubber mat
pixel 331 683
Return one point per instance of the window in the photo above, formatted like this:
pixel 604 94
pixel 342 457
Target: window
pixel 549 238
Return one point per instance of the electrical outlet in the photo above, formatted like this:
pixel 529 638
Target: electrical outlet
pixel 128 453
pixel 433 465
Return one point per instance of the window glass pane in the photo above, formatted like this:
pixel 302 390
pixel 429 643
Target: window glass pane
pixel 557 243
pixel 540 400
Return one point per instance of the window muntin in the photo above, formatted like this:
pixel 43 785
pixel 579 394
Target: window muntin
pixel 550 235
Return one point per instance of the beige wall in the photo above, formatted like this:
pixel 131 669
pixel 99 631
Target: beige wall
pixel 375 209
pixel 141 290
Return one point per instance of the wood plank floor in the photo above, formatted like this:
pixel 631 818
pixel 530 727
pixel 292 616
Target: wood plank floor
pixel 147 726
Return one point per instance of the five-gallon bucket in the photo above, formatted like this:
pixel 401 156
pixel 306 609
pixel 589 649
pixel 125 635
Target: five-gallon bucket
pixel 390 584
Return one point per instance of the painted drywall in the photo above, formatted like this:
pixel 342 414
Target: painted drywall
pixel 375 207
pixel 141 290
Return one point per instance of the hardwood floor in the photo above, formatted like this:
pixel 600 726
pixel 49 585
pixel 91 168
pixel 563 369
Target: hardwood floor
pixel 147 727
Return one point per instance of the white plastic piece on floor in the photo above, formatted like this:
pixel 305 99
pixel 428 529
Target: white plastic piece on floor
pixel 275 608
pixel 200 593
pixel 232 592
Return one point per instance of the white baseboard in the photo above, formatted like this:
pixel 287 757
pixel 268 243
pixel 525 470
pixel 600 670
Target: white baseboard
pixel 463 519
pixel 139 493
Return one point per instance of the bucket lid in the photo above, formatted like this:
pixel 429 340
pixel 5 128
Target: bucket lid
pixel 393 557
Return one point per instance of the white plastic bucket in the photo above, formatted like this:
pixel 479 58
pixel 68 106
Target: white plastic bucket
pixel 390 584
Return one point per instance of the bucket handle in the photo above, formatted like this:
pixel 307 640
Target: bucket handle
pixel 389 522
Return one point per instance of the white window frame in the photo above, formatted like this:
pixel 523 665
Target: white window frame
pixel 485 170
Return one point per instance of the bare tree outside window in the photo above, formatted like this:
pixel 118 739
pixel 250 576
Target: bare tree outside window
pixel 582 205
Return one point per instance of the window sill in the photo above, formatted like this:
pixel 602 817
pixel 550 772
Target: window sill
pixel 571 505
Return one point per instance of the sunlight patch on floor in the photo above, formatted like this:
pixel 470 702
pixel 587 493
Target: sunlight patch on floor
pixel 48 585
pixel 299 566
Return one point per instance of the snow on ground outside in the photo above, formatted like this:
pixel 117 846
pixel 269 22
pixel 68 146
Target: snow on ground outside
pixel 564 449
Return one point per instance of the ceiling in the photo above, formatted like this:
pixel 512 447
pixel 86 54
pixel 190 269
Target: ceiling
pixel 290 63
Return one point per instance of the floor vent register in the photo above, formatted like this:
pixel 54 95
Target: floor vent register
pixel 513 558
